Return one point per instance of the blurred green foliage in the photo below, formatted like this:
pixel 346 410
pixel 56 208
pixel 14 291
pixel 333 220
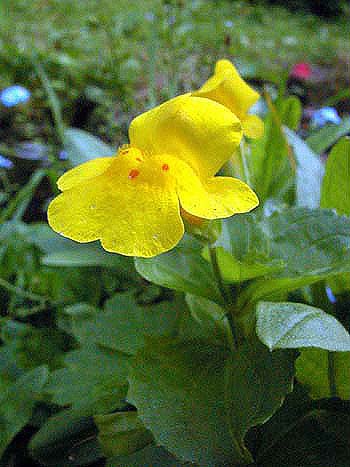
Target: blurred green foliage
pixel 107 60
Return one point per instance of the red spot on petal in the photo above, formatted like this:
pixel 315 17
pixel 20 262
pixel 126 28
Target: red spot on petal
pixel 165 167
pixel 138 159
pixel 133 173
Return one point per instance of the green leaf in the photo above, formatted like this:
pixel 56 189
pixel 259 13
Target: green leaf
pixel 340 96
pixel 151 456
pixel 244 238
pixel 122 433
pixel 310 443
pixel 340 283
pixel 21 261
pixel 9 370
pixel 324 138
pixel 86 255
pixel 32 346
pixel 336 194
pixel 94 380
pixel 123 324
pixel 64 253
pixel 81 146
pixel 293 325
pixel 314 244
pixel 72 317
pixel 336 424
pixel 182 269
pixel 234 270
pixel 259 380
pixel 291 111
pixel 106 336
pixel 179 394
pixel 268 163
pixel 66 440
pixel 17 403
pixel 309 172
pixel 3 197
pixel 179 389
pixel 311 242
pixel 336 184
pixel 313 371
pixel 296 405
pixel 207 321
pixel 42 236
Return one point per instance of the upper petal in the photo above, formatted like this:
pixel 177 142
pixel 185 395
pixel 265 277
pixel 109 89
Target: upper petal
pixel 229 89
pixel 132 208
pixel 199 131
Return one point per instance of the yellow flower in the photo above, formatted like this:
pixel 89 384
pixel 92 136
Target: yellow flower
pixel 132 202
pixel 229 89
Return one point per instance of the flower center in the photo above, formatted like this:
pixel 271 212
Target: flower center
pixel 151 168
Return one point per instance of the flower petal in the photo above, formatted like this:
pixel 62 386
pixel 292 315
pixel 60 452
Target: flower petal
pixel 253 126
pixel 229 89
pixel 214 198
pixel 133 209
pixel 78 213
pixel 199 131
pixel 82 173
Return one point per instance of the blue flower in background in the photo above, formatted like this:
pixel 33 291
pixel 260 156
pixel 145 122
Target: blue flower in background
pixel 63 155
pixel 330 295
pixel 5 163
pixel 325 115
pixel 14 95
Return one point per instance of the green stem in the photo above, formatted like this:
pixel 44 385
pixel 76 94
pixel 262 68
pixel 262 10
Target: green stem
pixel 240 449
pixel 5 181
pixel 152 42
pixel 321 300
pixel 225 295
pixel 54 103
pixel 18 205
pixel 173 14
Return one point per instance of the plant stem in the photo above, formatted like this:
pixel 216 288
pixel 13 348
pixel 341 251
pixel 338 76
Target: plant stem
pixel 225 295
pixel 54 102
pixel 321 300
pixel 152 43
pixel 240 449
pixel 19 203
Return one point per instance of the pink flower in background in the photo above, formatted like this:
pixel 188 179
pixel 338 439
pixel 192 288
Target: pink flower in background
pixel 301 71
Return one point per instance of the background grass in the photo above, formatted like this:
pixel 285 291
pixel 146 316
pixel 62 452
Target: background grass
pixel 107 60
